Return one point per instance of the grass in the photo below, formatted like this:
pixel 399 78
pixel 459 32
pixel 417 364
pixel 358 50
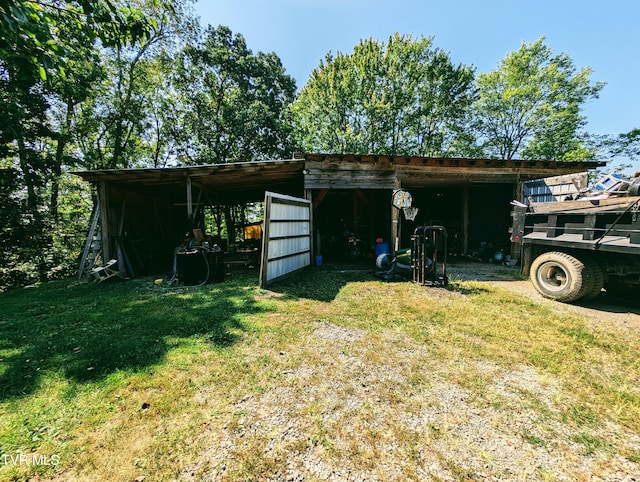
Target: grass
pixel 130 379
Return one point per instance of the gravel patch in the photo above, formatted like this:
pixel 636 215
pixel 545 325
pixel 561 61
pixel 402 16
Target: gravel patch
pixel 346 415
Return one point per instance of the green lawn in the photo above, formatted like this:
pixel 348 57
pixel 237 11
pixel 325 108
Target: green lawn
pixel 128 379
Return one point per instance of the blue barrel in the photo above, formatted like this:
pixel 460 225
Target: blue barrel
pixel 382 248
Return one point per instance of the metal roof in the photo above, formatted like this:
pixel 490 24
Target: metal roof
pixel 247 181
pixel 239 181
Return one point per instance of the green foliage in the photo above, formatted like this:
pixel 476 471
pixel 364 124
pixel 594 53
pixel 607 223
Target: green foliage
pixel 232 101
pixel 121 123
pixel 50 70
pixel 34 248
pixel 398 97
pixel 29 30
pixel 625 145
pixel 530 106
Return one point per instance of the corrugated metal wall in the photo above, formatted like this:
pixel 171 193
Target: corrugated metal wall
pixel 555 188
pixel 286 244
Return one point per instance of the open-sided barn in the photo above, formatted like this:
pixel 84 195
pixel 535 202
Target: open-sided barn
pixel 145 213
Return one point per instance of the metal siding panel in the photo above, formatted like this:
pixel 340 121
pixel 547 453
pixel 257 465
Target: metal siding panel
pixel 281 267
pixel 554 188
pixel 287 244
pixel 289 212
pixel 286 247
pixel 281 229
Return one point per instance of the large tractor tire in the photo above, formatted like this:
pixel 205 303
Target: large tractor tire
pixel 594 279
pixel 560 276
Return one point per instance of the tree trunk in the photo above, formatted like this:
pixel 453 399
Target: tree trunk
pixel 29 176
pixel 57 167
pixel 230 222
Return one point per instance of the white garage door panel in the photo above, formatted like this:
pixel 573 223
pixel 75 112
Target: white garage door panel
pixel 289 212
pixel 281 229
pixel 286 246
pixel 280 248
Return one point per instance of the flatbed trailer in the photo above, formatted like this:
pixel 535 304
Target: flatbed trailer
pixel 573 249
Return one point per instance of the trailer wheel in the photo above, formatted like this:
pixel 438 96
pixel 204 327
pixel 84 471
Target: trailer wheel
pixel 594 279
pixel 558 276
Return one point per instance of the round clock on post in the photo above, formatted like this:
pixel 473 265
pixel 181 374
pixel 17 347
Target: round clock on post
pixel 401 198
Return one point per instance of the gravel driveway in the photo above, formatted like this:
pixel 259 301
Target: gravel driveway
pixel 345 413
pixel 604 308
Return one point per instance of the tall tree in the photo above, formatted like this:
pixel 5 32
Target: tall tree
pixel 402 96
pixel 47 68
pixel 114 122
pixel 233 101
pixel 233 104
pixel 530 105
pixel 83 70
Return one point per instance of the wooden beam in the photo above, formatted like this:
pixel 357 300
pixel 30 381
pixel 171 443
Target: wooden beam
pixel 362 197
pixel 103 200
pixel 189 199
pixel 395 223
pixel 308 195
pixel 465 220
pixel 195 214
pixel 119 245
pixel 318 199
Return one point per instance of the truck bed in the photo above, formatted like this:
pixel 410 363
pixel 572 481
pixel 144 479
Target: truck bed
pixel 586 205
pixel 611 244
pixel 611 224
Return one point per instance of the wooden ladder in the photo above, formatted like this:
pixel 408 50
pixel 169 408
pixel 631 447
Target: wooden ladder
pixel 92 246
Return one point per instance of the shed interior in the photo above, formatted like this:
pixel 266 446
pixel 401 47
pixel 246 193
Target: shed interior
pixel 146 213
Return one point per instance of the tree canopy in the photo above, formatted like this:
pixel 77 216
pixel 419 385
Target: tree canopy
pixel 530 106
pixel 402 96
pixel 51 69
pixel 231 102
pixel 29 29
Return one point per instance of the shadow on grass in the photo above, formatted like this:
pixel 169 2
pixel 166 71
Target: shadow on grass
pixel 458 287
pixel 612 303
pixel 324 283
pixel 86 332
pixel 320 284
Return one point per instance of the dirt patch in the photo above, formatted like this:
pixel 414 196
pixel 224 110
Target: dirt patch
pixel 343 416
pixel 344 403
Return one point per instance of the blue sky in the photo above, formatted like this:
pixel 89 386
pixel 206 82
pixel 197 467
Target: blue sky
pixel 602 35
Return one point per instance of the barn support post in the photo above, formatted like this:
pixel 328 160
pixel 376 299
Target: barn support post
pixel 395 223
pixel 465 220
pixel 518 194
pixel 103 200
pixel 189 200
pixel 308 195
pixel 317 199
